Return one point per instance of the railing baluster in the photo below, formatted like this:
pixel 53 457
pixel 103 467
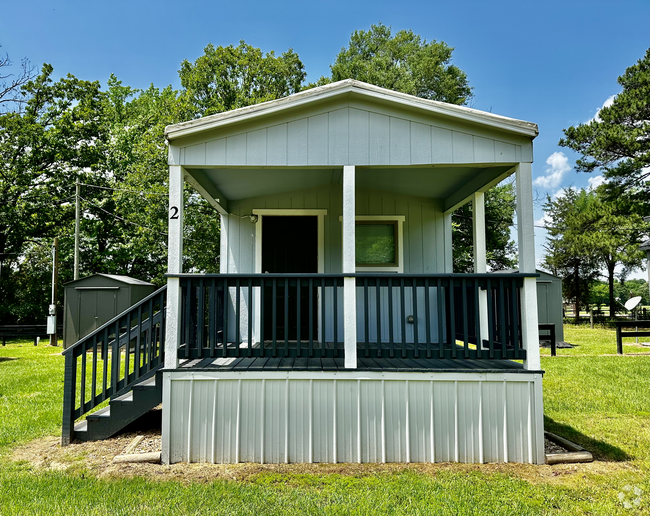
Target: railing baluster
pixel 427 318
pixel 82 387
pixel 311 317
pixel 415 319
pixel 200 318
pixel 286 317
pixel 465 319
pixel 335 295
pixel 477 317
pixel 439 298
pixel 298 322
pixel 365 319
pixel 274 322
pixel 150 338
pixel 105 364
pixel 237 316
pixel 250 317
pixel 391 345
pixel 94 381
pixel 115 359
pixel 127 357
pixel 452 318
pixel 138 345
pixel 322 319
pixel 490 318
pixel 378 298
pixel 187 289
pixel 212 317
pixel 403 316
pixel 262 315
pixel 226 297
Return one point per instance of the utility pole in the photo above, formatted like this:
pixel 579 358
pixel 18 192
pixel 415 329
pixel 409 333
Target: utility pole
pixel 51 320
pixel 76 231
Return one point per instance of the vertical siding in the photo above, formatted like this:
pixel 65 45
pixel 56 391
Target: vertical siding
pixel 354 136
pixel 418 417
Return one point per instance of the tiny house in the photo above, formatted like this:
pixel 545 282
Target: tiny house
pixel 336 330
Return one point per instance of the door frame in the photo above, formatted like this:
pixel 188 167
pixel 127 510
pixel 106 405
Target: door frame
pixel 320 214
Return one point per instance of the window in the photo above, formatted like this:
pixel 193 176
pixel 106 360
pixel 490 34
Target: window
pixel 376 244
pixel 379 243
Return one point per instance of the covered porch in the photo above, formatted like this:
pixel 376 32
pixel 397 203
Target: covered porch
pixel 337 295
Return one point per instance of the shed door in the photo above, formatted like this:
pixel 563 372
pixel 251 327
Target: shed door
pixel 289 244
pixel 96 307
pixel 542 303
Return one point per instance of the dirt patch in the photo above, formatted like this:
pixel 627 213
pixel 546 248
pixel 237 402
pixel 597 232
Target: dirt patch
pixel 96 458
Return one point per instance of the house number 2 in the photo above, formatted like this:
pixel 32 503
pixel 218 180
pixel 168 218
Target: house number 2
pixel 174 213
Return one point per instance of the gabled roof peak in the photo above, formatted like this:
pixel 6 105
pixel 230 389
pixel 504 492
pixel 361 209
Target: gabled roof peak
pixel 351 86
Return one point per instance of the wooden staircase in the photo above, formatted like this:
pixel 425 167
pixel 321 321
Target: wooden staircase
pixel 121 410
pixel 120 362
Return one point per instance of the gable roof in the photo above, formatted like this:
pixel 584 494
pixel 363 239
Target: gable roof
pixel 351 88
pixel 117 277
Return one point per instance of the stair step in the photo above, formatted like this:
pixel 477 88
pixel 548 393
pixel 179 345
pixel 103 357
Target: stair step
pixel 100 414
pixel 128 397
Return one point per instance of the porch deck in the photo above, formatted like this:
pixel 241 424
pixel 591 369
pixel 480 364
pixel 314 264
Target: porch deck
pixel 400 365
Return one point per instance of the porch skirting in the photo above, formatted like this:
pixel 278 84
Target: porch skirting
pixel 352 416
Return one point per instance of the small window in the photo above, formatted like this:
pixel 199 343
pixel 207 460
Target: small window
pixel 376 244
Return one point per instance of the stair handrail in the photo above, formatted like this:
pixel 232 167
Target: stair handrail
pixel 118 332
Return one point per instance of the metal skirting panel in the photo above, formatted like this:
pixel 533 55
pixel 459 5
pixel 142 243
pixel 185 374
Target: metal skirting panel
pixel 283 417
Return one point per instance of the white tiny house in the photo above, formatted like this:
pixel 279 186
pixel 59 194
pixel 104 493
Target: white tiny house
pixel 336 330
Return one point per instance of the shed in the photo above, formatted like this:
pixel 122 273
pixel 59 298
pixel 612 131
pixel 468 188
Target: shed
pixel 94 300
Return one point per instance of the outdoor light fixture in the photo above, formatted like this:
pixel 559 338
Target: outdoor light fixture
pixel 254 219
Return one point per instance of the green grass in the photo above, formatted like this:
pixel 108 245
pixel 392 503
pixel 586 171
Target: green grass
pixel 601 402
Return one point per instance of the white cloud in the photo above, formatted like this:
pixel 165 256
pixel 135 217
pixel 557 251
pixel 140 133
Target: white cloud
pixel 596 181
pixel 558 166
pixel 607 103
pixel 544 221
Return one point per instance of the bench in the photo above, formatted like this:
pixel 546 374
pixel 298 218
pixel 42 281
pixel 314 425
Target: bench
pixel 20 331
pixel 627 324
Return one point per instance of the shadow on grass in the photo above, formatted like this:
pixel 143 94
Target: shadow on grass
pixel 6 359
pixel 601 450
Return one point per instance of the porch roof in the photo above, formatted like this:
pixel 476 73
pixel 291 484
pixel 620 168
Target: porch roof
pixel 351 89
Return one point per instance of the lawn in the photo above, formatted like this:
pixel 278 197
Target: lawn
pixel 601 402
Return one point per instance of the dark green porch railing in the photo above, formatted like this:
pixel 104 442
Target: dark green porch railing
pixel 109 361
pixel 399 316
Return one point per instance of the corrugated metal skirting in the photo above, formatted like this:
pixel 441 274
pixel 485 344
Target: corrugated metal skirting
pixel 227 417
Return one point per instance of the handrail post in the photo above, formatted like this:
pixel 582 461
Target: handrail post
pixel 69 395
pixel 349 267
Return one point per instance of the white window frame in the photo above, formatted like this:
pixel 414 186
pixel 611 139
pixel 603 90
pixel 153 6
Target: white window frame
pixel 399 219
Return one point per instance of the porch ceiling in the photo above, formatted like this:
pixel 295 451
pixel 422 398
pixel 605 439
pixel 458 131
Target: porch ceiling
pixel 449 184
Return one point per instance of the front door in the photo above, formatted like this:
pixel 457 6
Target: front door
pixel 289 244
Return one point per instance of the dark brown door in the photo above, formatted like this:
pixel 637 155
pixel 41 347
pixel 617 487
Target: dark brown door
pixel 289 244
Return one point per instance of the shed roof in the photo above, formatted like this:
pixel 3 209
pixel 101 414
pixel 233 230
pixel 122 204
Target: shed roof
pixel 351 88
pixel 116 277
pixel 645 246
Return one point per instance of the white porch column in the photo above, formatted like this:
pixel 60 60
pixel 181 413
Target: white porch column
pixel 349 267
pixel 174 266
pixel 526 238
pixel 480 259
pixel 449 248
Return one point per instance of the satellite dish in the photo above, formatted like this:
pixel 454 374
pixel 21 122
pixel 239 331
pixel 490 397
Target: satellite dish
pixel 632 303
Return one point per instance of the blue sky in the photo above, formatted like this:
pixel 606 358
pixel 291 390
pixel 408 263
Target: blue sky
pixel 551 62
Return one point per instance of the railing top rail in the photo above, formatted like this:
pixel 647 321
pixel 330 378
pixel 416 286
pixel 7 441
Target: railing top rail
pixel 114 319
pixel 491 275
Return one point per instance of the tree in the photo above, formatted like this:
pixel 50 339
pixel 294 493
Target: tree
pixel 500 203
pixel 226 78
pixel 45 143
pixel 617 140
pixel 11 83
pixel 569 253
pixel 404 62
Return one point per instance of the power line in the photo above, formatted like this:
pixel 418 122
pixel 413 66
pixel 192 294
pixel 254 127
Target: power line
pixel 124 190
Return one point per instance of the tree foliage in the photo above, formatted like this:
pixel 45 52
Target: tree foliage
pixel 402 62
pixel 617 140
pixel 226 78
pixel 500 204
pixel 587 233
